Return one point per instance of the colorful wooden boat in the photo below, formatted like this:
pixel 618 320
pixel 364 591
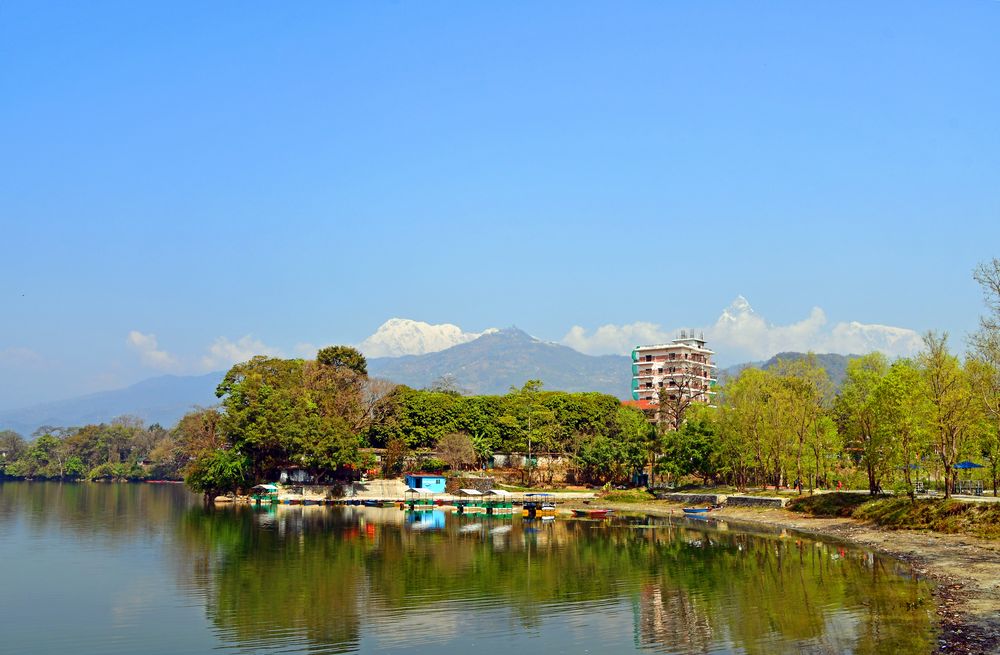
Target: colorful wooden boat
pixel 592 513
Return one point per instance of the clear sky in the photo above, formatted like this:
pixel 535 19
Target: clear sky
pixel 185 182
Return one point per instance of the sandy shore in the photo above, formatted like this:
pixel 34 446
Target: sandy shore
pixel 967 569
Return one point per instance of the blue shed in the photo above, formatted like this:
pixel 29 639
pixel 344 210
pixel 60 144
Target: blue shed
pixel 429 482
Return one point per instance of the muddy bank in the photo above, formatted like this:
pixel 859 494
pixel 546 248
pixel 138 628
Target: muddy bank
pixel 967 569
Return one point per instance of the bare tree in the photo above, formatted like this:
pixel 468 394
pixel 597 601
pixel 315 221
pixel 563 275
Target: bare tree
pixel 687 383
pixel 456 448
pixel 376 402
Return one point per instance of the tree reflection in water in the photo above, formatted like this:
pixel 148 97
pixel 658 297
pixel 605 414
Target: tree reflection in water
pixel 315 579
pixel 327 575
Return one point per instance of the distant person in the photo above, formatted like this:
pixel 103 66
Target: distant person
pixel 840 485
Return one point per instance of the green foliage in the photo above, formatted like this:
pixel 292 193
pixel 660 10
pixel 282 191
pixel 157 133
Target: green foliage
pixel 691 450
pixel 279 412
pixel 218 472
pixel 343 357
pixel 628 496
pixel 432 465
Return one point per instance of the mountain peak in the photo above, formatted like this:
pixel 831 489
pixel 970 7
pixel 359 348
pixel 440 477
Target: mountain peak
pixel 403 336
pixel 739 307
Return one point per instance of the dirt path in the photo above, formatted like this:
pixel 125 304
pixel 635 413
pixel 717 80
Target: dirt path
pixel 967 569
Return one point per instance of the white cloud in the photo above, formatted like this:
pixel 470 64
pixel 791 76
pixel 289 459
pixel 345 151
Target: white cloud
pixel 402 336
pixel 740 332
pixel 614 338
pixel 224 353
pixel 150 353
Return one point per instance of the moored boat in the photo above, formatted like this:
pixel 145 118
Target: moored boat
pixel 592 513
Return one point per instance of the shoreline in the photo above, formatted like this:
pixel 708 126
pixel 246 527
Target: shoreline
pixel 965 568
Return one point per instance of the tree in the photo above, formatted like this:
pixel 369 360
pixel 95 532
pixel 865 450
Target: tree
pixel 953 407
pixel 691 449
pixel 457 450
pixel 905 413
pixel 394 457
pixel 741 426
pixel 219 472
pixel 687 385
pixel 984 365
pixel 343 357
pixel 806 391
pixel 861 416
pixel 12 445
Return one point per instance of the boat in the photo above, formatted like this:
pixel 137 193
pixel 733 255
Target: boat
pixel 592 513
pixel 264 494
pixel 698 510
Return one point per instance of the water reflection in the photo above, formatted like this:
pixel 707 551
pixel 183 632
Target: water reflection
pixel 358 579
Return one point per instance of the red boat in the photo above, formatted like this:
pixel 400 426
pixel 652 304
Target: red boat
pixel 593 513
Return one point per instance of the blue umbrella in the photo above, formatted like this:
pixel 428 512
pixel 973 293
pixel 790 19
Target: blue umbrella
pixel 968 465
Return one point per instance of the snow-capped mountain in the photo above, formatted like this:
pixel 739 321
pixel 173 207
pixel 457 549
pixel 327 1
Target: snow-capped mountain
pixel 402 336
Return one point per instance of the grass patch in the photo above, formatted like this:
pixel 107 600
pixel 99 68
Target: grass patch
pixel 629 496
pixel 948 516
pixel 829 504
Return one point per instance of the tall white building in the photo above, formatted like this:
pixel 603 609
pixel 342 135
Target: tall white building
pixel 683 366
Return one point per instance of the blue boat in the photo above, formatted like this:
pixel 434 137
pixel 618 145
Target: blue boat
pixel 697 510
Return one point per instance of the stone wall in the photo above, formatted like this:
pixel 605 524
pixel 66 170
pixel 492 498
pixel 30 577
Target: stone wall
pixel 479 484
pixel 696 499
pixel 756 501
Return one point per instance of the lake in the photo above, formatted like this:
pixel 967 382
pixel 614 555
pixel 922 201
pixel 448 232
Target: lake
pixel 126 568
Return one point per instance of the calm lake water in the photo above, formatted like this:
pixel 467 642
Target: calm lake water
pixel 131 568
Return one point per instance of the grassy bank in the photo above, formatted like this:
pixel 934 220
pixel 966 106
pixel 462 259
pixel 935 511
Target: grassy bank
pixel 948 516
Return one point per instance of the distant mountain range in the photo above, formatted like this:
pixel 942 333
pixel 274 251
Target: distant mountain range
pixel 489 364
pixel 160 400
pixel 835 365
pixel 500 359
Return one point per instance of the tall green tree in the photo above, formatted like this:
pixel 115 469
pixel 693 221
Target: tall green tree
pixel 953 407
pixel 805 393
pixel 861 414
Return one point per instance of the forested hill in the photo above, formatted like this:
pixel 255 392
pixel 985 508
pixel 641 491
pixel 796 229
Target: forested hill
pixel 498 360
pixel 835 365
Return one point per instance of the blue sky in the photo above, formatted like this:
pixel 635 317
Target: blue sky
pixel 204 173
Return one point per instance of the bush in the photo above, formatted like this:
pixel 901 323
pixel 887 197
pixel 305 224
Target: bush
pixel 433 465
pixel 629 496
